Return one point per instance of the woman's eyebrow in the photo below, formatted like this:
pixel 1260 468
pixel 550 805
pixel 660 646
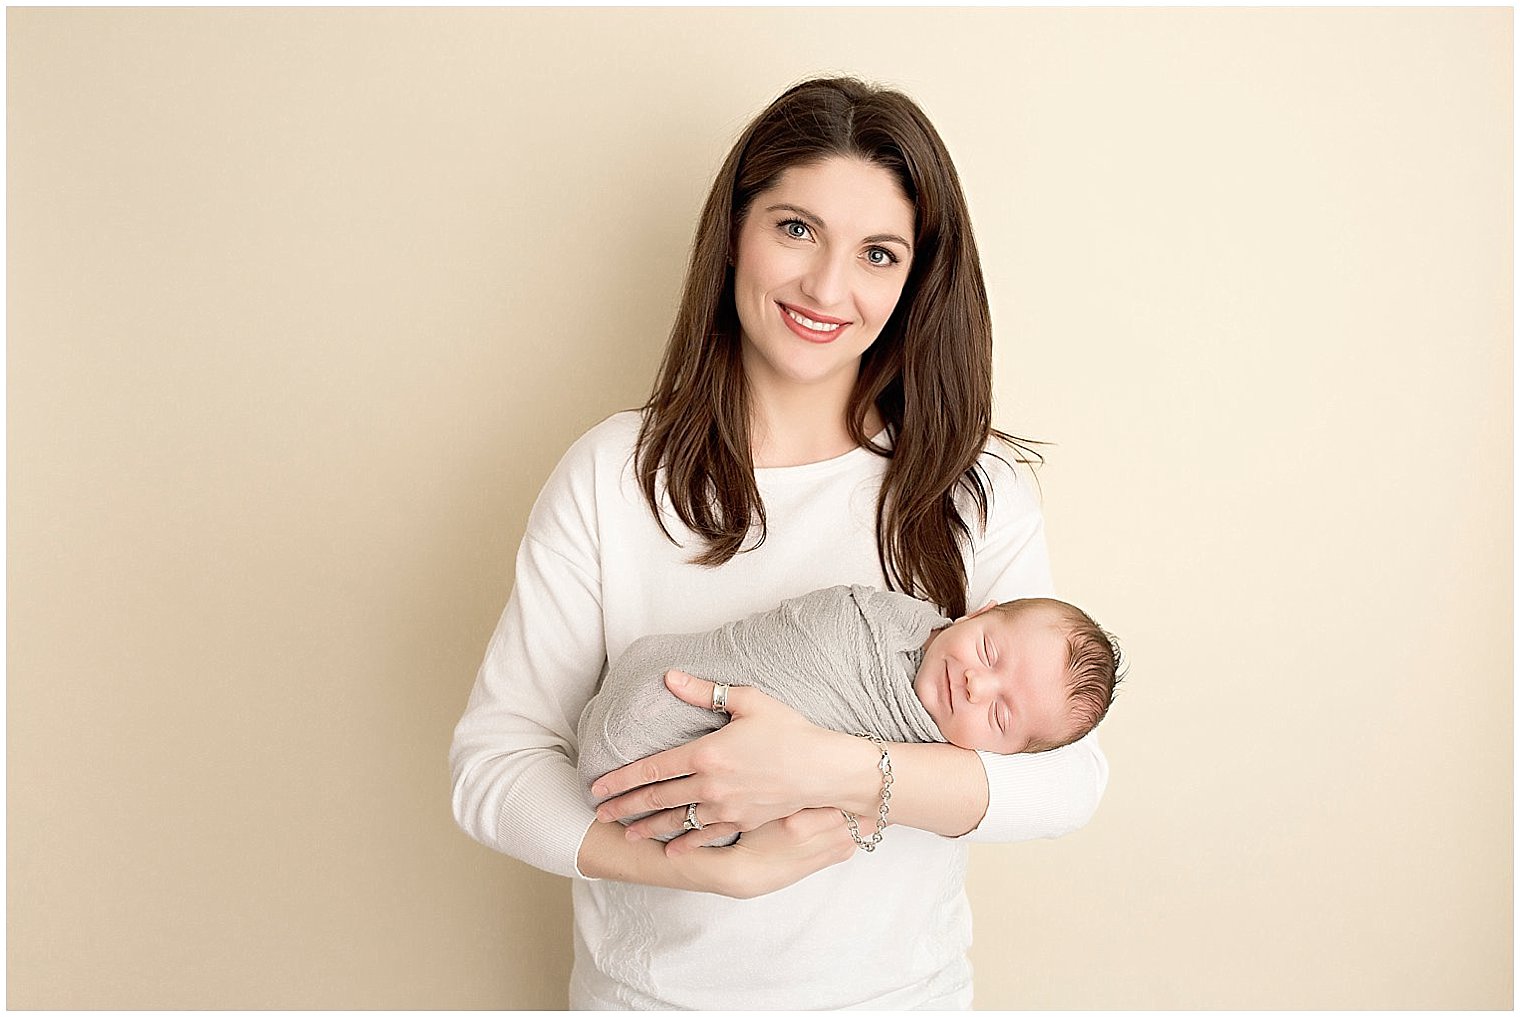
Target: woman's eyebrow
pixel 817 223
pixel 801 213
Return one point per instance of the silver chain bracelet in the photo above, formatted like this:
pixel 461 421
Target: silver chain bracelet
pixel 885 765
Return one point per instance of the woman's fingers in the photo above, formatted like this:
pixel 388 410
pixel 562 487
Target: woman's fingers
pixel 662 766
pixel 712 833
pixel 668 794
pixel 780 853
pixel 734 770
pixel 676 762
pixel 661 824
pixel 673 821
pixel 699 692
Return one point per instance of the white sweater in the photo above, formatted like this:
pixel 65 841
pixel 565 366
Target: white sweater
pixel 887 930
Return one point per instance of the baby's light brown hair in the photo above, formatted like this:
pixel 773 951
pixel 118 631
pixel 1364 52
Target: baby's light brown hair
pixel 1094 664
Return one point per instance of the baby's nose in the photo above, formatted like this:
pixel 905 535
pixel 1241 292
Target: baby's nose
pixel 975 683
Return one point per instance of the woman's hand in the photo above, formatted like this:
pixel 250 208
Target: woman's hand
pixel 774 856
pixel 780 853
pixel 767 763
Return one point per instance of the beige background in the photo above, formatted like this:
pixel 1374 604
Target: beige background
pixel 305 304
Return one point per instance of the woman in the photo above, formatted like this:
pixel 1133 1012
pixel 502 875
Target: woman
pixel 820 418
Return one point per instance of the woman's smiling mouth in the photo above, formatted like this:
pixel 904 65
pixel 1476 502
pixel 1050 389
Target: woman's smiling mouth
pixel 810 328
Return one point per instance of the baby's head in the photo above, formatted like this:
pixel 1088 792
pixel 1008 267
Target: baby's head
pixel 1025 676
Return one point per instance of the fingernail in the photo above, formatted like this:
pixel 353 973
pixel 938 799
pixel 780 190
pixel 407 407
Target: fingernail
pixel 633 835
pixel 599 790
pixel 603 816
pixel 675 677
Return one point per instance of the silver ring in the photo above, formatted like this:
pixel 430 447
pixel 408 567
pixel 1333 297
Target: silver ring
pixel 691 813
pixel 720 698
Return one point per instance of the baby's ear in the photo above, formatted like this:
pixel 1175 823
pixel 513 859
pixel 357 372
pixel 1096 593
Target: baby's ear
pixel 981 610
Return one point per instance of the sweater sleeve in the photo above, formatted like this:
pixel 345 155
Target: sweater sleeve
pixel 1042 794
pixel 515 784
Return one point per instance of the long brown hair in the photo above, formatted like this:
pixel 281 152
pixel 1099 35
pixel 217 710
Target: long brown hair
pixel 929 372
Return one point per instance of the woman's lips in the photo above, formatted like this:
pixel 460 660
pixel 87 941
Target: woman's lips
pixel 802 330
pixel 812 315
pixel 949 695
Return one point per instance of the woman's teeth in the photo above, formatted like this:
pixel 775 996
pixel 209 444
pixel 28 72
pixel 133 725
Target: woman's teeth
pixel 816 326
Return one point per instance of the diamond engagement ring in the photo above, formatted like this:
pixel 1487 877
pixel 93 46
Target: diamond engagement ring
pixel 691 811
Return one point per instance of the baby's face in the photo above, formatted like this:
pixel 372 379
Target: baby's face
pixel 998 683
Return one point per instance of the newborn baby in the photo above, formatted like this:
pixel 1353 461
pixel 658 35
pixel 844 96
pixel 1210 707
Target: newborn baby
pixel 1025 676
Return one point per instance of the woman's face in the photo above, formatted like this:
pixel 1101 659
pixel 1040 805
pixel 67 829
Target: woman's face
pixel 830 242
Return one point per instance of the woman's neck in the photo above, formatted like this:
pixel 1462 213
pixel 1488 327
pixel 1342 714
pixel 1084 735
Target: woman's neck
pixel 800 430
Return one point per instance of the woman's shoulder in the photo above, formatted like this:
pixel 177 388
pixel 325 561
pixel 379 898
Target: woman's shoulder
pixel 1007 557
pixel 568 504
pixel 1006 473
pixel 602 452
pixel 611 437
pixel 1004 484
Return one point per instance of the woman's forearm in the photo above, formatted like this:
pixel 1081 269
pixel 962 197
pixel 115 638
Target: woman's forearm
pixel 939 788
pixel 1042 794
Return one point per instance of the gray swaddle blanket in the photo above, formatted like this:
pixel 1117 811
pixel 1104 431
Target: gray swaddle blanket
pixel 845 658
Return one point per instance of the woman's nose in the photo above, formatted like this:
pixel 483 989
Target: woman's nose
pixel 824 282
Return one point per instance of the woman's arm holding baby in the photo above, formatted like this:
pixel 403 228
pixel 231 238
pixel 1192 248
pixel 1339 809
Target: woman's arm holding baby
pixel 769 762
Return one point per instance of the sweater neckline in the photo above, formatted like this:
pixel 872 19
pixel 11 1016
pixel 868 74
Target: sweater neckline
pixel 858 453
